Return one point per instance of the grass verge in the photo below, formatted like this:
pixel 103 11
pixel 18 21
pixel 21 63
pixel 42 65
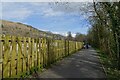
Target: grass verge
pixel 110 66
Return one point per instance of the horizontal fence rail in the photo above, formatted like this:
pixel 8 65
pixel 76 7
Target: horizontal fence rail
pixel 21 55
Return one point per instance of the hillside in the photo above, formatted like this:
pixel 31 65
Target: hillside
pixel 19 29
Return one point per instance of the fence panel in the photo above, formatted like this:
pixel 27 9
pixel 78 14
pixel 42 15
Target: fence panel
pixel 22 54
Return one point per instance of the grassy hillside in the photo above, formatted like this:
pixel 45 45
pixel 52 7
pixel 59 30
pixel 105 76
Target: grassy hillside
pixel 19 29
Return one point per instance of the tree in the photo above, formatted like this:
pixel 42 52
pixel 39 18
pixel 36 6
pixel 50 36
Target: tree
pixel 80 37
pixel 69 36
pixel 105 33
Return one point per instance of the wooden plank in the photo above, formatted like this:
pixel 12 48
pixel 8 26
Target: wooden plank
pixel 52 50
pixel 48 53
pixel 41 54
pixel 29 49
pixel 45 52
pixel 38 53
pixel 29 53
pixel 13 57
pixel 19 55
pixel 35 53
pixel 55 50
pixel 6 57
pixel 32 52
pixel 24 49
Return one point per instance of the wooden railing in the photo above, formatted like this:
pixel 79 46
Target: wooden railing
pixel 21 55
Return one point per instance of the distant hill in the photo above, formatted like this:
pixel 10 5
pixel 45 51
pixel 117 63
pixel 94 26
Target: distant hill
pixel 19 29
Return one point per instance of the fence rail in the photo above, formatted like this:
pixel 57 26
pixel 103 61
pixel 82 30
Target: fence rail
pixel 22 54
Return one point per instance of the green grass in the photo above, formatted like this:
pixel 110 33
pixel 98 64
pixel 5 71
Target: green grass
pixel 110 66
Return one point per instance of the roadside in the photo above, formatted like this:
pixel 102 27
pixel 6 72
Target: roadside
pixel 109 66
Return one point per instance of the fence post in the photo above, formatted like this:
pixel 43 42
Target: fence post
pixel 48 53
pixel 65 48
pixel 52 50
pixel 41 55
pixel 75 46
pixel 68 47
pixel 44 52
pixel 58 51
pixel 37 48
pixel 1 56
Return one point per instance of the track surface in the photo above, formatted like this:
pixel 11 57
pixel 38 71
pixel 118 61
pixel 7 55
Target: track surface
pixel 83 64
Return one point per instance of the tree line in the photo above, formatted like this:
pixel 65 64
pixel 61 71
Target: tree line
pixel 105 31
pixel 78 37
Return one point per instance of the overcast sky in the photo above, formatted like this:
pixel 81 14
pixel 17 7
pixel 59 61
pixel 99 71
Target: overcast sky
pixel 55 17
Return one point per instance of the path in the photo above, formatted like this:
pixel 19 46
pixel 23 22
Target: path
pixel 83 64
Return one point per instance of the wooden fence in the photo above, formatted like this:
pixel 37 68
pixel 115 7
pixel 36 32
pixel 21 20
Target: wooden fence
pixel 21 55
